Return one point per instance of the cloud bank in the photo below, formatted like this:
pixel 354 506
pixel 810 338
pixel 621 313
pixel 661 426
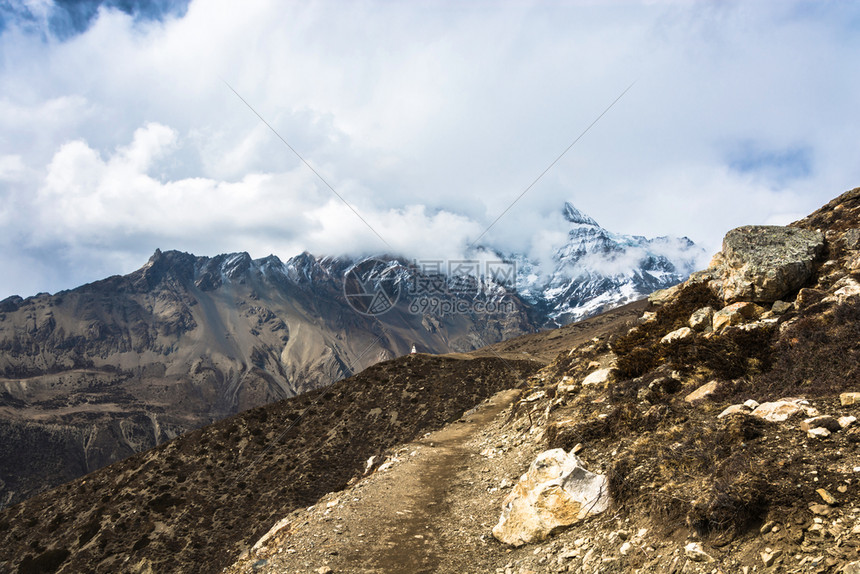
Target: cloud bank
pixel 119 134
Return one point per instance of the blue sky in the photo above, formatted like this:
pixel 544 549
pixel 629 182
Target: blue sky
pixel 118 133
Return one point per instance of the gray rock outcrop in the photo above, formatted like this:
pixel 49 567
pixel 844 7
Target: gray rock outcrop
pixel 765 262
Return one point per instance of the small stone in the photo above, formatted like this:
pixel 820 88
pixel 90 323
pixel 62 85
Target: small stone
pixel 701 319
pixel 767 527
pixel 819 432
pixel 733 410
pixel 696 553
pixel 781 307
pixel 820 509
pixel 625 549
pixel 598 377
pixel 769 556
pixel 826 497
pixel 851 568
pixel 777 411
pixel 702 393
pixel 324 570
pixel 662 296
pixel 849 398
pixel 823 421
pixel 845 422
pixel 751 404
pixel 846 287
pixel 736 314
pixel 678 335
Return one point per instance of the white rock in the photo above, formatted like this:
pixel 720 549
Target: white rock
pixel 368 466
pixel 280 525
pixel 625 549
pixel 662 296
pixel 598 377
pixel 678 335
pixel 733 409
pixel 751 404
pixel 846 422
pixel 849 398
pixel 556 491
pixel 818 432
pixel 702 393
pixel 648 316
pixel 736 314
pixel 777 411
pixel 696 553
pixel 846 287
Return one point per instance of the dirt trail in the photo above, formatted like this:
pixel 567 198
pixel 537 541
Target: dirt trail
pixel 409 519
pixel 415 517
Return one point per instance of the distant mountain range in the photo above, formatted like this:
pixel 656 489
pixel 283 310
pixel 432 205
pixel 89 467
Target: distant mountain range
pixel 91 375
pixel 598 269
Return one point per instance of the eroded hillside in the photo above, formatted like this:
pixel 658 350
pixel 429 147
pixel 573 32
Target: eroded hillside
pixel 96 374
pixel 193 504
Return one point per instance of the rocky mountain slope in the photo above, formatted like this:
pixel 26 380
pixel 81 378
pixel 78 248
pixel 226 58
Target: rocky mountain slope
pixel 719 434
pixel 716 432
pixel 192 504
pixel 95 374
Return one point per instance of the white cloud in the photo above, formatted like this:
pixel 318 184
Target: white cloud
pixel 429 119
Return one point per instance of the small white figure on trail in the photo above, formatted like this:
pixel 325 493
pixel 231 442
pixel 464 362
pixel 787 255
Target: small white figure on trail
pixel 414 350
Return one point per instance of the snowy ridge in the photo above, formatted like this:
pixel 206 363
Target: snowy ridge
pixel 594 270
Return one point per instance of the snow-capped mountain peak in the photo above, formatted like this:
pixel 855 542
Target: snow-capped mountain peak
pixel 596 269
pixel 573 215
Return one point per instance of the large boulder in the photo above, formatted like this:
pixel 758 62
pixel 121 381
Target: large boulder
pixel 557 491
pixel 765 262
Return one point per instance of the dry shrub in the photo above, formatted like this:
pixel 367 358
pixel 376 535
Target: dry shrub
pixel 706 480
pixel 731 354
pixel 817 355
pixel 729 506
pixel 639 350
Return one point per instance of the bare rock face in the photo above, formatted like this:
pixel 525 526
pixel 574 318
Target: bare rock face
pixel 557 491
pixel 763 263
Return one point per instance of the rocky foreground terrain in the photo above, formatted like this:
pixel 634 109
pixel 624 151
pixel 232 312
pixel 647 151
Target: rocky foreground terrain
pixel 711 429
pixel 719 434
